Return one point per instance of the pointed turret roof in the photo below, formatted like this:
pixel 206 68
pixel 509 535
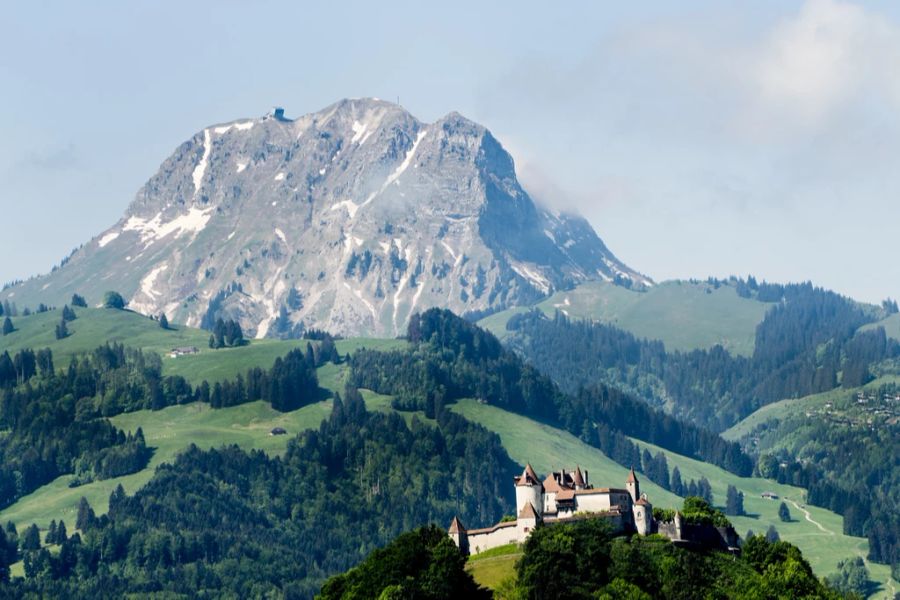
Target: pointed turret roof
pixel 631 477
pixel 528 476
pixel 456 526
pixel 528 512
pixel 577 479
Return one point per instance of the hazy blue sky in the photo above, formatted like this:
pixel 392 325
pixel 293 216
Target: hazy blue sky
pixel 759 138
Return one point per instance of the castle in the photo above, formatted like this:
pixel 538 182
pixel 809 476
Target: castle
pixel 561 496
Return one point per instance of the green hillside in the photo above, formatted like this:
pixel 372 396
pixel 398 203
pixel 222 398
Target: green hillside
pixel 891 326
pixel 684 315
pixel 96 326
pixel 795 407
pixel 818 533
pixel 169 431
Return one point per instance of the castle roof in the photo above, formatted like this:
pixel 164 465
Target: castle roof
pixel 528 512
pixel 578 479
pixel 631 477
pixel 565 494
pixel 643 501
pixel 550 484
pixel 456 526
pixel 528 477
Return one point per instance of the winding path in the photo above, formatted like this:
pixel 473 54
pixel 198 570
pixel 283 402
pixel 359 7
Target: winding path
pixel 890 580
pixel 809 518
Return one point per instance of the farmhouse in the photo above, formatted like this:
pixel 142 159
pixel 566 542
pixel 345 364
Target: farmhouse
pixel 183 351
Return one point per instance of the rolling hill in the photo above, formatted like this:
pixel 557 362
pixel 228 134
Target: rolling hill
pixel 684 315
pixel 817 532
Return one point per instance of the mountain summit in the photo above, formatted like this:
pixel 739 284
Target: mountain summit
pixel 348 219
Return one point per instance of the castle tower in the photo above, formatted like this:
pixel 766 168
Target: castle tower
pixel 459 535
pixel 643 516
pixel 633 486
pixel 527 520
pixel 529 489
pixel 578 479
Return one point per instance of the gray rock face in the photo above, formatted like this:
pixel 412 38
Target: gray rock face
pixel 349 219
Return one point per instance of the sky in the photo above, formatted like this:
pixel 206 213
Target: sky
pixel 698 139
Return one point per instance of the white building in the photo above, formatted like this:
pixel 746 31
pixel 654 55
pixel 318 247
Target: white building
pixel 561 496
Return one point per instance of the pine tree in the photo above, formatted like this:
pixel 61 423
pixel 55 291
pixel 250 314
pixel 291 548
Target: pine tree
pixel 86 516
pixel 677 484
pixel 8 326
pixel 68 314
pixel 772 535
pixel 113 300
pixel 62 331
pixel 734 502
pixel 1 310
pixel 704 490
pixel 116 499
pixel 79 301
pixel 50 538
pixel 784 513
pixel 61 534
pixel 31 540
pixel 163 321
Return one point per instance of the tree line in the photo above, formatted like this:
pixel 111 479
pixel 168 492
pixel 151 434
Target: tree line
pixel 226 522
pixel 451 358
pixel 806 344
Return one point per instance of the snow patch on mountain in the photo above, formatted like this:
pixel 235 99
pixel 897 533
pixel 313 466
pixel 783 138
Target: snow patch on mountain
pixel 154 229
pixel 350 205
pixel 538 280
pixel 239 126
pixel 108 238
pixel 200 169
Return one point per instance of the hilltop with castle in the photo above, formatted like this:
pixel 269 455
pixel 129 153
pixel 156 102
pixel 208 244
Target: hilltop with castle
pixel 568 495
pixel 563 495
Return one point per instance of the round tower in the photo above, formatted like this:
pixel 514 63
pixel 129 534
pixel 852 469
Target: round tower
pixel 529 489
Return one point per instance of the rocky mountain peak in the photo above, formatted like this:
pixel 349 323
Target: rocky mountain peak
pixel 349 219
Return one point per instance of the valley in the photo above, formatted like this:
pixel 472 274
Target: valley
pixel 815 531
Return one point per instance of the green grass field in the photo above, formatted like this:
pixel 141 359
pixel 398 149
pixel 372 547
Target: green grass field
pixel 493 567
pixel 94 327
pixel 169 431
pixel 891 326
pixel 684 315
pixel 820 537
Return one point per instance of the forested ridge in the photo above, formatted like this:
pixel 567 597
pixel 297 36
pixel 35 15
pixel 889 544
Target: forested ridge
pixel 848 465
pixel 225 522
pixel 806 344
pixel 580 559
pixel 54 418
pixel 451 358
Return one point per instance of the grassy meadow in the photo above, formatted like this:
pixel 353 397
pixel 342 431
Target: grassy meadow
pixel 684 315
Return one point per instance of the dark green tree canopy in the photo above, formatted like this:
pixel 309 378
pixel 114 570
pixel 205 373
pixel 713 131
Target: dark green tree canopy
pixel 114 300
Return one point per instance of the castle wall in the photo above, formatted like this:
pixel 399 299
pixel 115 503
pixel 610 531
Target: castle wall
pixel 492 537
pixel 708 536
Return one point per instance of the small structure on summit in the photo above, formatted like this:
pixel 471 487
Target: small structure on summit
pixel 563 495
